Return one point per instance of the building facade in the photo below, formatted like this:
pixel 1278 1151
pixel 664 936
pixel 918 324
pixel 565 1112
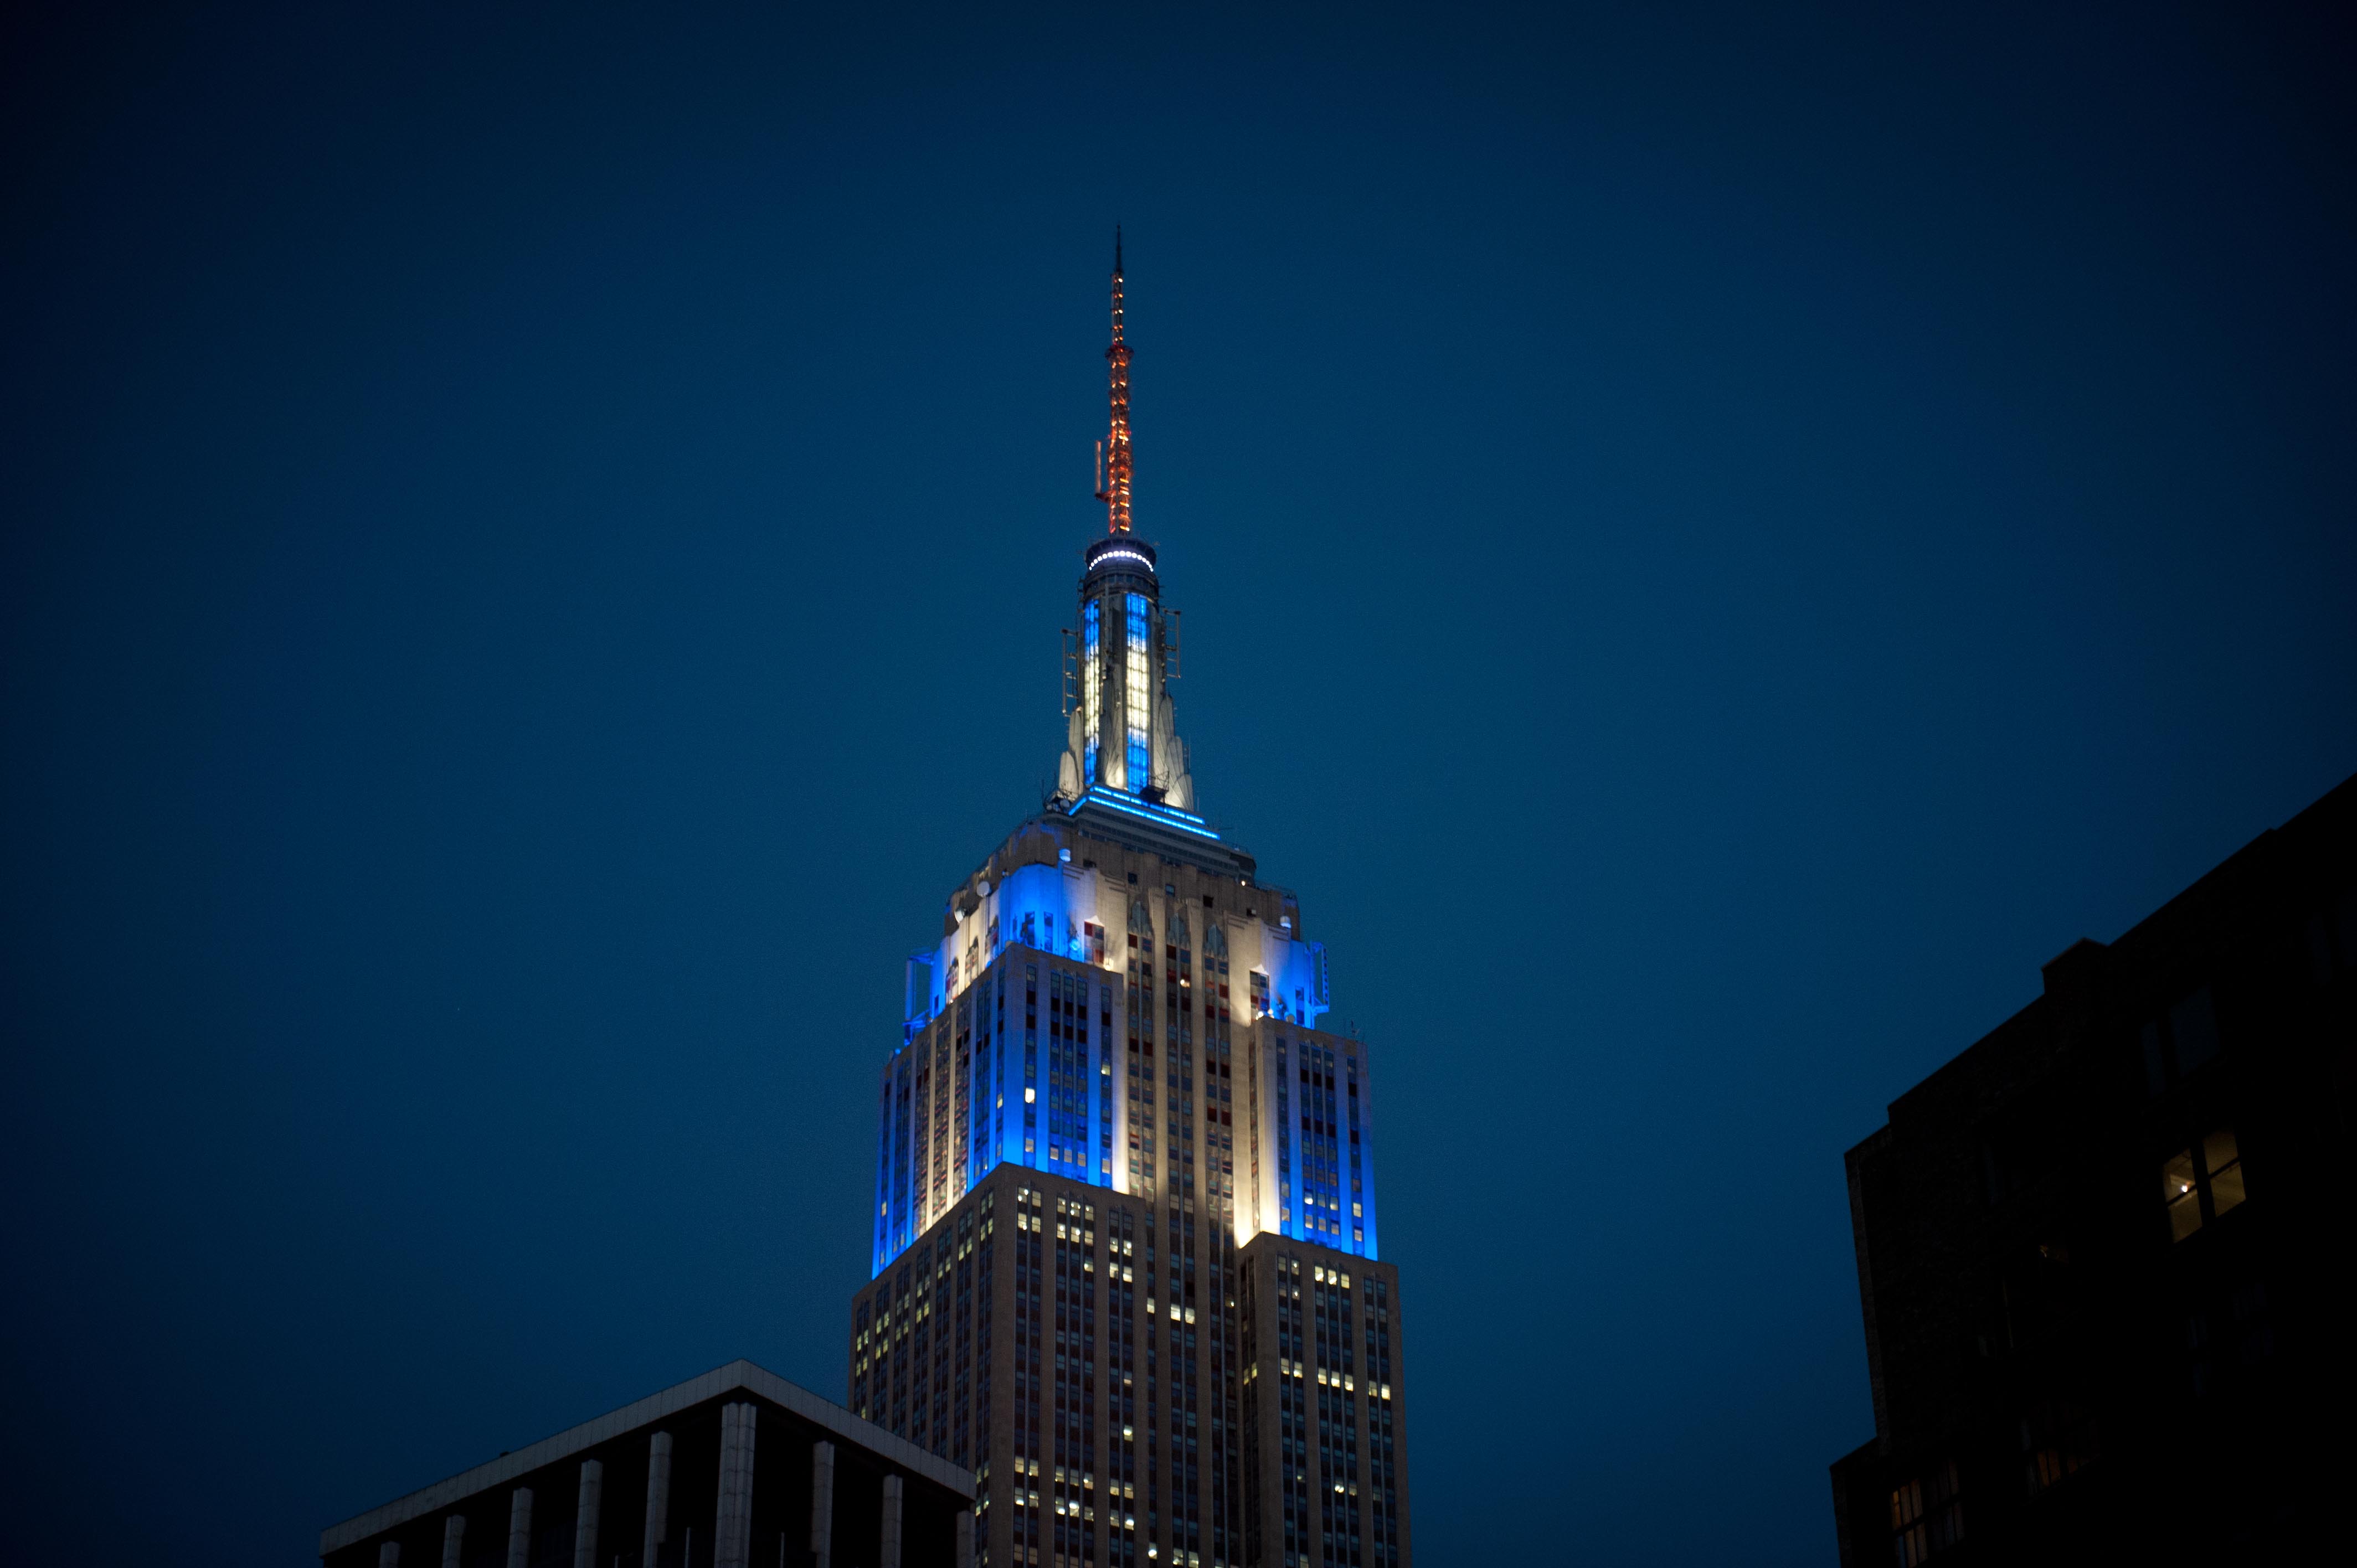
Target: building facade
pixel 1123 1241
pixel 2098 1254
pixel 738 1468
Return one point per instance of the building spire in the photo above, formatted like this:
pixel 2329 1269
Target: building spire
pixel 1115 494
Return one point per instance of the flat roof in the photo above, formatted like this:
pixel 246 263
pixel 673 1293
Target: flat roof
pixel 735 1375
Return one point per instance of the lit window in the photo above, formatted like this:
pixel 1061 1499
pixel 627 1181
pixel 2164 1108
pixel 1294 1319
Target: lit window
pixel 2184 1197
pixel 2057 1441
pixel 2224 1163
pixel 1925 1517
pixel 2199 1185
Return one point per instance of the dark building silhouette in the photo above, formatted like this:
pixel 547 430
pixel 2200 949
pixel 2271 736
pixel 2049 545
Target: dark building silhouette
pixel 2103 1254
pixel 738 1468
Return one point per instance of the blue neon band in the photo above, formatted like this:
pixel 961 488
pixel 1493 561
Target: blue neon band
pixel 1165 816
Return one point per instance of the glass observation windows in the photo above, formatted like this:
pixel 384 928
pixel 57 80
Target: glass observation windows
pixel 2200 1184
pixel 1137 699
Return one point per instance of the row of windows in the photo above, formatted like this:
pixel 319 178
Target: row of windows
pixel 1314 1304
pixel 1330 1194
pixel 903 1374
pixel 1059 1513
pixel 1054 1343
pixel 1927 1512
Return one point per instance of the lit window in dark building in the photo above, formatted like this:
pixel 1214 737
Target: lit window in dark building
pixel 2199 1185
pixel 1926 1517
pixel 2031 1309
pixel 2177 1181
pixel 2057 1441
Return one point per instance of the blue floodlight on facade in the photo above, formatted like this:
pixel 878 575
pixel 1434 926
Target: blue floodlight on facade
pixel 1170 817
pixel 1117 1033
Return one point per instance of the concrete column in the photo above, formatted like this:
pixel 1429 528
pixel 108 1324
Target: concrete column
pixel 965 1539
pixel 520 1528
pixel 454 1540
pixel 388 1555
pixel 584 1518
pixel 658 1498
pixel 822 1505
pixel 890 1555
pixel 732 1535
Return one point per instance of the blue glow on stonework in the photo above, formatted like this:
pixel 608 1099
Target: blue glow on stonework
pixel 1019 1039
pixel 1035 910
pixel 1169 817
pixel 1325 1184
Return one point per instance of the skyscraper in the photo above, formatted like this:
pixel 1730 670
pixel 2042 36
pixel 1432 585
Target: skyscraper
pixel 1124 1236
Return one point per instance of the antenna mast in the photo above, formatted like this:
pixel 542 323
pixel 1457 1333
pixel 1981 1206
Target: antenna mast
pixel 1115 447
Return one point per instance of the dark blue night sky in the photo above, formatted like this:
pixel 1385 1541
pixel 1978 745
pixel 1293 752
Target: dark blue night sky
pixel 1713 542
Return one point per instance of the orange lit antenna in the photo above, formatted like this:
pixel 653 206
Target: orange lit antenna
pixel 1112 453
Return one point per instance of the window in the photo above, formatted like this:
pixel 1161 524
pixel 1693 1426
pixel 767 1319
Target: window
pixel 2057 1441
pixel 2333 940
pixel 2178 1186
pixel 2224 1163
pixel 2253 1342
pixel 2197 1185
pixel 1925 1517
pixel 2228 1339
pixel 2182 1040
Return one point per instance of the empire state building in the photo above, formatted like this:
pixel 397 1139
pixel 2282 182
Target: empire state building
pixel 1124 1230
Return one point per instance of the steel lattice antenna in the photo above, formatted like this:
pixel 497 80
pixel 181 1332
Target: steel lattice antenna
pixel 1112 459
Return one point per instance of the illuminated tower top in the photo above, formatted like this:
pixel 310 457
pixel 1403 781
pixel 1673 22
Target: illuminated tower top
pixel 1113 455
pixel 1121 748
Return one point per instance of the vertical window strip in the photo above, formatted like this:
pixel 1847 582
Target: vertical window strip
pixel 1137 700
pixel 1091 691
